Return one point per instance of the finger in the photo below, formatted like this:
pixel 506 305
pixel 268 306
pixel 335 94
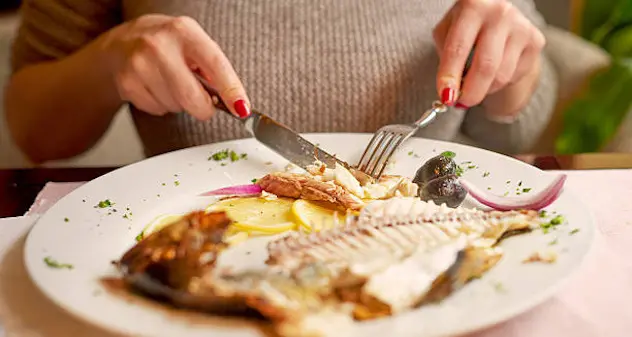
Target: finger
pixel 528 61
pixel 530 55
pixel 200 49
pixel 507 69
pixel 440 31
pixel 459 41
pixel 180 82
pixel 155 83
pixel 132 90
pixel 487 58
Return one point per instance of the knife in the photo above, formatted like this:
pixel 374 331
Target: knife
pixel 281 139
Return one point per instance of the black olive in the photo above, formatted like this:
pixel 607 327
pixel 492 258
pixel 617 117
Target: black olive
pixel 446 189
pixel 435 167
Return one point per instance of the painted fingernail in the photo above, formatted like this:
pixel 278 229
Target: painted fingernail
pixel 448 96
pixel 241 108
pixel 461 106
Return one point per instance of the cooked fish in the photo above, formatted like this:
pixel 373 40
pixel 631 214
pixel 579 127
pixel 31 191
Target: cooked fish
pixel 379 263
pixel 303 186
pixel 398 224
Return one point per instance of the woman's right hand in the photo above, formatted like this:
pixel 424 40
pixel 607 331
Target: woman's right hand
pixel 153 59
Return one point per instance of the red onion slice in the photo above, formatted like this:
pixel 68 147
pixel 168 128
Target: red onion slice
pixel 240 190
pixel 535 201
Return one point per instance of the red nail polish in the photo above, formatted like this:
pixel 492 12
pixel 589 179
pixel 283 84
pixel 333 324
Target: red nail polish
pixel 448 96
pixel 241 108
pixel 461 106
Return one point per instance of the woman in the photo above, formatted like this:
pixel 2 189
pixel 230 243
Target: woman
pixel 324 65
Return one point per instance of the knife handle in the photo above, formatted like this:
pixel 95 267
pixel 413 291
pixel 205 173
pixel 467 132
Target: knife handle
pixel 215 97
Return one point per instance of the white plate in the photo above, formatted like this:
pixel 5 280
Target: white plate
pixel 91 238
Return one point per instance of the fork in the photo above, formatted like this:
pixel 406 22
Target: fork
pixel 389 137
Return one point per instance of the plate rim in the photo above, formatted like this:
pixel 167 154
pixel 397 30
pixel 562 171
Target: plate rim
pixel 484 324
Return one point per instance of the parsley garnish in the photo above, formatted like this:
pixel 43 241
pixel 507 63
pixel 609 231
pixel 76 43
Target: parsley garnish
pixel 177 183
pixel 217 156
pixel 556 221
pixel 526 190
pixel 139 236
pixel 66 219
pixel 105 203
pixel 54 264
pixel 448 154
pixel 227 154
pixel 542 214
pixel 574 231
pixel 459 171
pixel 486 174
pixel 254 180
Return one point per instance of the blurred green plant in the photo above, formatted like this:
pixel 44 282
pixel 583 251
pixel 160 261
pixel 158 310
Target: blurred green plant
pixel 593 118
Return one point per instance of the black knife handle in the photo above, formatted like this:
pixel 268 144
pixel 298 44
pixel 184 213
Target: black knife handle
pixel 215 97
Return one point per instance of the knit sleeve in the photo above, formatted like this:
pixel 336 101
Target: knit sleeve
pixel 52 29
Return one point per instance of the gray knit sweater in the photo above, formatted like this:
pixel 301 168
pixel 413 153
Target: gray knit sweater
pixel 315 65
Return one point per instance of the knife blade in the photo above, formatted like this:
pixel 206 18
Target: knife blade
pixel 281 139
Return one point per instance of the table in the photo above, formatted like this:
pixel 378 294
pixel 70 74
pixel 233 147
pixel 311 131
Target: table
pixel 19 187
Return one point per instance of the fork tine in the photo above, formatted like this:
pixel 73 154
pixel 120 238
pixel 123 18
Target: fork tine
pixel 381 149
pixel 361 164
pixel 400 139
pixel 369 152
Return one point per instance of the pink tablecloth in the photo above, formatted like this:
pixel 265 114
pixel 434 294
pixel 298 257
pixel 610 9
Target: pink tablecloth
pixel 596 302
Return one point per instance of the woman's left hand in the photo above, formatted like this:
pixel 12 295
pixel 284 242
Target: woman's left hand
pixel 507 50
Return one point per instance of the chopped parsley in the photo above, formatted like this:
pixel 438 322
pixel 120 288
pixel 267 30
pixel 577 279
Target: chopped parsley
pixel 526 190
pixel 508 182
pixel 459 171
pixel 227 154
pixel 177 183
pixel 139 237
pixel 543 214
pixel 556 221
pixel 66 219
pixel 520 183
pixel 448 154
pixel 104 204
pixel 574 231
pixel 57 265
pixel 254 180
pixel 218 156
pixel 485 174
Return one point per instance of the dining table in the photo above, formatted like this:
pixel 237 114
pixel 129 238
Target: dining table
pixel 594 301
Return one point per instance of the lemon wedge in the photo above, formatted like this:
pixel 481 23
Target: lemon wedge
pixel 313 217
pixel 257 215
